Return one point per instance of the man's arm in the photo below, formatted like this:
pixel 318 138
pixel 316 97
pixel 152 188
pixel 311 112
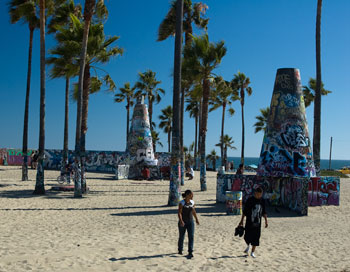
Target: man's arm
pixel 265 217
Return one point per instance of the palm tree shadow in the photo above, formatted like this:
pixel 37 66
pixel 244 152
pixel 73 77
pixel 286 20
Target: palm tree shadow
pixel 174 255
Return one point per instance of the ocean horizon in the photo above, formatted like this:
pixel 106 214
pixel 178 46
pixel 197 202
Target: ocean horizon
pixel 335 164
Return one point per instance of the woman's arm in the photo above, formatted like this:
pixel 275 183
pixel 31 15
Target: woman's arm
pixel 179 214
pixel 242 219
pixel 195 215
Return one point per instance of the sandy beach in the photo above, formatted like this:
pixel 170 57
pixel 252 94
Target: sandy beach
pixel 125 225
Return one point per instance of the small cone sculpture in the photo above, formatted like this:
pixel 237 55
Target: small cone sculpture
pixel 140 147
pixel 286 149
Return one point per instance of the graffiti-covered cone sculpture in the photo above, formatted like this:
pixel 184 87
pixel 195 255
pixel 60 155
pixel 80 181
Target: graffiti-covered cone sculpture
pixel 140 147
pixel 286 148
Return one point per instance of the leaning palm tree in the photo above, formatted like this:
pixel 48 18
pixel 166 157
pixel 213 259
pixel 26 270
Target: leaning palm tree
pixel 25 11
pixel 201 58
pixel 147 86
pixel 240 83
pixel 166 123
pixel 310 90
pixel 262 119
pixel 213 157
pixel 317 108
pixel 222 96
pixel 126 93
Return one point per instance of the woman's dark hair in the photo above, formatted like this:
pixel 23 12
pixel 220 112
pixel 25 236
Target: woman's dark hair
pixel 259 190
pixel 186 193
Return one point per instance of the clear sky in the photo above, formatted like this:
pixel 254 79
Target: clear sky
pixel 260 36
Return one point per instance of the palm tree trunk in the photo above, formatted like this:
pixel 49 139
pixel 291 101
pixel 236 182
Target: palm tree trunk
pixel 66 121
pixel 195 142
pixel 39 185
pixel 182 136
pixel 150 113
pixel 26 109
pixel 317 106
pixel 200 127
pixel 86 92
pixel 223 161
pixel 206 93
pixel 127 120
pixel 175 179
pixel 88 12
pixel 169 141
pixel 242 106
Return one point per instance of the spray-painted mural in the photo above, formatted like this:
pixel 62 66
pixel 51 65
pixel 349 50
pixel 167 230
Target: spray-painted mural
pixel 96 161
pixel 286 148
pixel 286 192
pixel 323 191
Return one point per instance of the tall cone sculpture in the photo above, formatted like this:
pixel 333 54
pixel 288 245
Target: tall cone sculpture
pixel 140 147
pixel 286 149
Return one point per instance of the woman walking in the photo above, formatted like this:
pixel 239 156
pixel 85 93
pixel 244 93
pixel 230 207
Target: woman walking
pixel 186 213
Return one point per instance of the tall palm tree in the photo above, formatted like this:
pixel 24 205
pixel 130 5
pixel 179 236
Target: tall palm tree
pixel 166 123
pixel 25 11
pixel 227 143
pixel 202 57
pixel 192 14
pixel 213 157
pixel 126 93
pixel 223 96
pixel 39 185
pixel 262 120
pixel 310 90
pixel 240 83
pixel 147 86
pixel 88 13
pixel 63 58
pixel 317 107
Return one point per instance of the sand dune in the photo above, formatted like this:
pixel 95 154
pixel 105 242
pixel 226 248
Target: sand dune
pixel 126 226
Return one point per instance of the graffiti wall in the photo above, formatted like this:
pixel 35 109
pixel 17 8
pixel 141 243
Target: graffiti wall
pixel 96 161
pixel 286 192
pixel 286 148
pixel 323 191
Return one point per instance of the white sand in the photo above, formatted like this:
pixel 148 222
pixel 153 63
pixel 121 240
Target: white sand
pixel 126 226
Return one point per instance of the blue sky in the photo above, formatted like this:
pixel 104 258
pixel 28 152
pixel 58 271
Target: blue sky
pixel 260 36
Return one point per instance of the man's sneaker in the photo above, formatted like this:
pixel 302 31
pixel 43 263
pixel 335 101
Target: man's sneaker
pixel 180 252
pixel 253 255
pixel 246 250
pixel 190 256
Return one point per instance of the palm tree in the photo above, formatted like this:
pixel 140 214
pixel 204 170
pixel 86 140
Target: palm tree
pixel 155 140
pixel 126 93
pixel 88 13
pixel 25 11
pixel 223 96
pixel 166 122
pixel 193 107
pixel 317 107
pixel 63 58
pixel 261 124
pixel 240 84
pixel 202 57
pixel 213 157
pixel 147 85
pixel 226 143
pixel 309 91
pixel 39 185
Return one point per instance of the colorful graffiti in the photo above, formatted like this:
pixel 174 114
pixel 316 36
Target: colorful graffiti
pixel 323 191
pixel 286 148
pixel 96 161
pixel 286 192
